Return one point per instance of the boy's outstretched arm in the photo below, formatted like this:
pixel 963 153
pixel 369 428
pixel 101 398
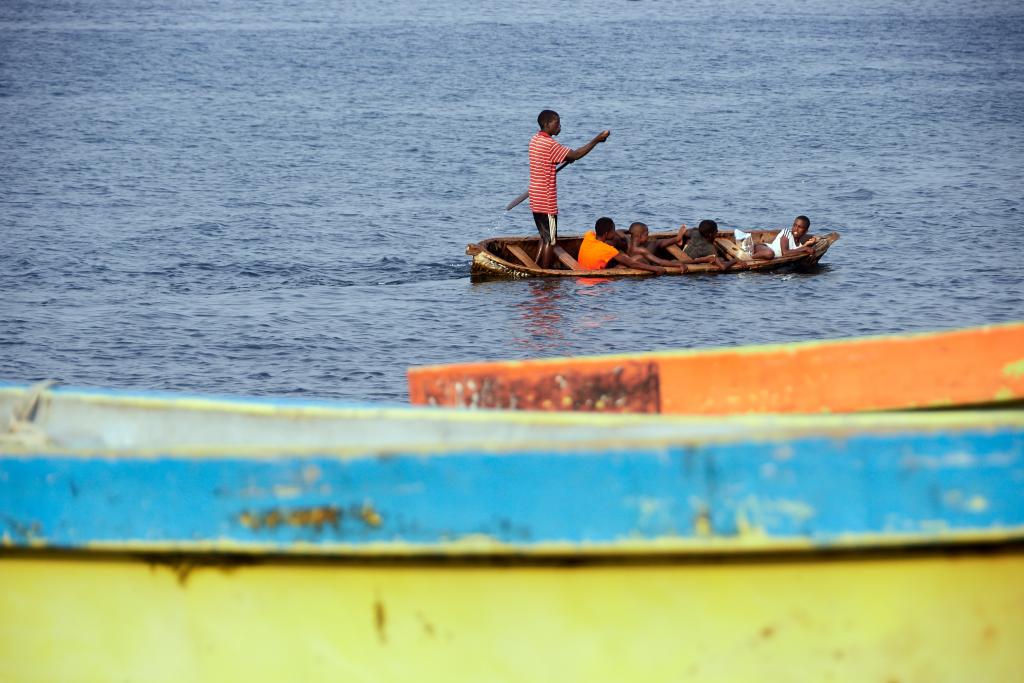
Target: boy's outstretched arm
pixel 583 151
pixel 648 254
pixel 630 262
pixel 678 240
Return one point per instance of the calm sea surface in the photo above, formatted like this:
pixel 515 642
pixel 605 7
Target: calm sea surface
pixel 274 198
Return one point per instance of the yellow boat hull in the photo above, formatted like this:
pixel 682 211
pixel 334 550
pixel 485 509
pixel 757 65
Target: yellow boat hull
pixel 80 619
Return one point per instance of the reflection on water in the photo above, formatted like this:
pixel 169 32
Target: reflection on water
pixel 557 310
pixel 584 283
pixel 599 298
pixel 542 314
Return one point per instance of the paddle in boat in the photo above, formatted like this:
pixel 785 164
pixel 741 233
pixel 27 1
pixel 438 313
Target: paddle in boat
pixel 503 257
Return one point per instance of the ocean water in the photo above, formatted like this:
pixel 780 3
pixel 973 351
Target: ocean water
pixel 274 198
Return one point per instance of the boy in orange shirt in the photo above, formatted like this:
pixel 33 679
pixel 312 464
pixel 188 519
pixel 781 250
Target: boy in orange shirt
pixel 596 252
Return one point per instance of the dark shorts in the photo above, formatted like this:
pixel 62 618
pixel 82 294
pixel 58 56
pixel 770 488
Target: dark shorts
pixel 547 226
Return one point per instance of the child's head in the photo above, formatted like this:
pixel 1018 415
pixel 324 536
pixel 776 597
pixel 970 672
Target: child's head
pixel 708 229
pixel 638 232
pixel 549 122
pixel 801 224
pixel 603 226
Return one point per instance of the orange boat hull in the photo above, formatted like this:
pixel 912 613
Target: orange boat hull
pixel 974 366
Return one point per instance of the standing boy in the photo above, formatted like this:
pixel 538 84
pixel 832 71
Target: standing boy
pixel 545 156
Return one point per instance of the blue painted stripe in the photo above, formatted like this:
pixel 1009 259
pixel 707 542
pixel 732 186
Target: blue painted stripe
pixel 815 489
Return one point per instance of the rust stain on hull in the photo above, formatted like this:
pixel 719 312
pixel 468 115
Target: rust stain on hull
pixel 313 517
pixel 370 516
pixel 310 517
pixel 628 387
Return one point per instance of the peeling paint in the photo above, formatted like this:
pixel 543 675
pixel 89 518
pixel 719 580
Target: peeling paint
pixel 648 508
pixel 1014 369
pixel 287 491
pixel 627 387
pixel 1004 394
pixel 784 452
pixel 953 498
pixel 311 474
pixel 370 516
pixel 702 523
pixel 25 532
pixel 954 459
pixel 794 509
pixel 312 517
pixel 977 504
pixel 746 529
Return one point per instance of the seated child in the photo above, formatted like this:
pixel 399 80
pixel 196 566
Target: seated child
pixel 789 242
pixel 700 245
pixel 596 250
pixel 642 249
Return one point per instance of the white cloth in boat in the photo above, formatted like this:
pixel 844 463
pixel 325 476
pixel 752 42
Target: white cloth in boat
pixel 745 241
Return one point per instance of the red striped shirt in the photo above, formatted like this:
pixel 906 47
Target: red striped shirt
pixel 545 155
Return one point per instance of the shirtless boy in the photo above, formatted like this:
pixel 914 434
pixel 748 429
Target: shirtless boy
pixel 642 249
pixel 597 252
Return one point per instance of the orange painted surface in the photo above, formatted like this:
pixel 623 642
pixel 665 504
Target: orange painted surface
pixel 982 365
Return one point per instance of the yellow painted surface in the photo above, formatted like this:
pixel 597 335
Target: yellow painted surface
pixel 912 618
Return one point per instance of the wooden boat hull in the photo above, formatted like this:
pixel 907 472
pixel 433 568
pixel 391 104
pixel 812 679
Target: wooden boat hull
pixel 743 548
pixel 151 424
pixel 974 366
pixel 492 258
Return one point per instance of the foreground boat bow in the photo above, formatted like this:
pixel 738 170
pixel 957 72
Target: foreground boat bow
pixel 163 538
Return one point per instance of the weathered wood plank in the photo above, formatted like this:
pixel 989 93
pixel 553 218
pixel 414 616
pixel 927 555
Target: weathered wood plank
pixel 732 250
pixel 566 259
pixel 523 257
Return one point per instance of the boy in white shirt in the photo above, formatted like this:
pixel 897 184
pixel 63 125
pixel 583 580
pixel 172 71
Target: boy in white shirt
pixel 792 241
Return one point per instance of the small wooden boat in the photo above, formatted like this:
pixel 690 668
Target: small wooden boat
pixel 512 257
pixel 168 538
pixel 967 367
